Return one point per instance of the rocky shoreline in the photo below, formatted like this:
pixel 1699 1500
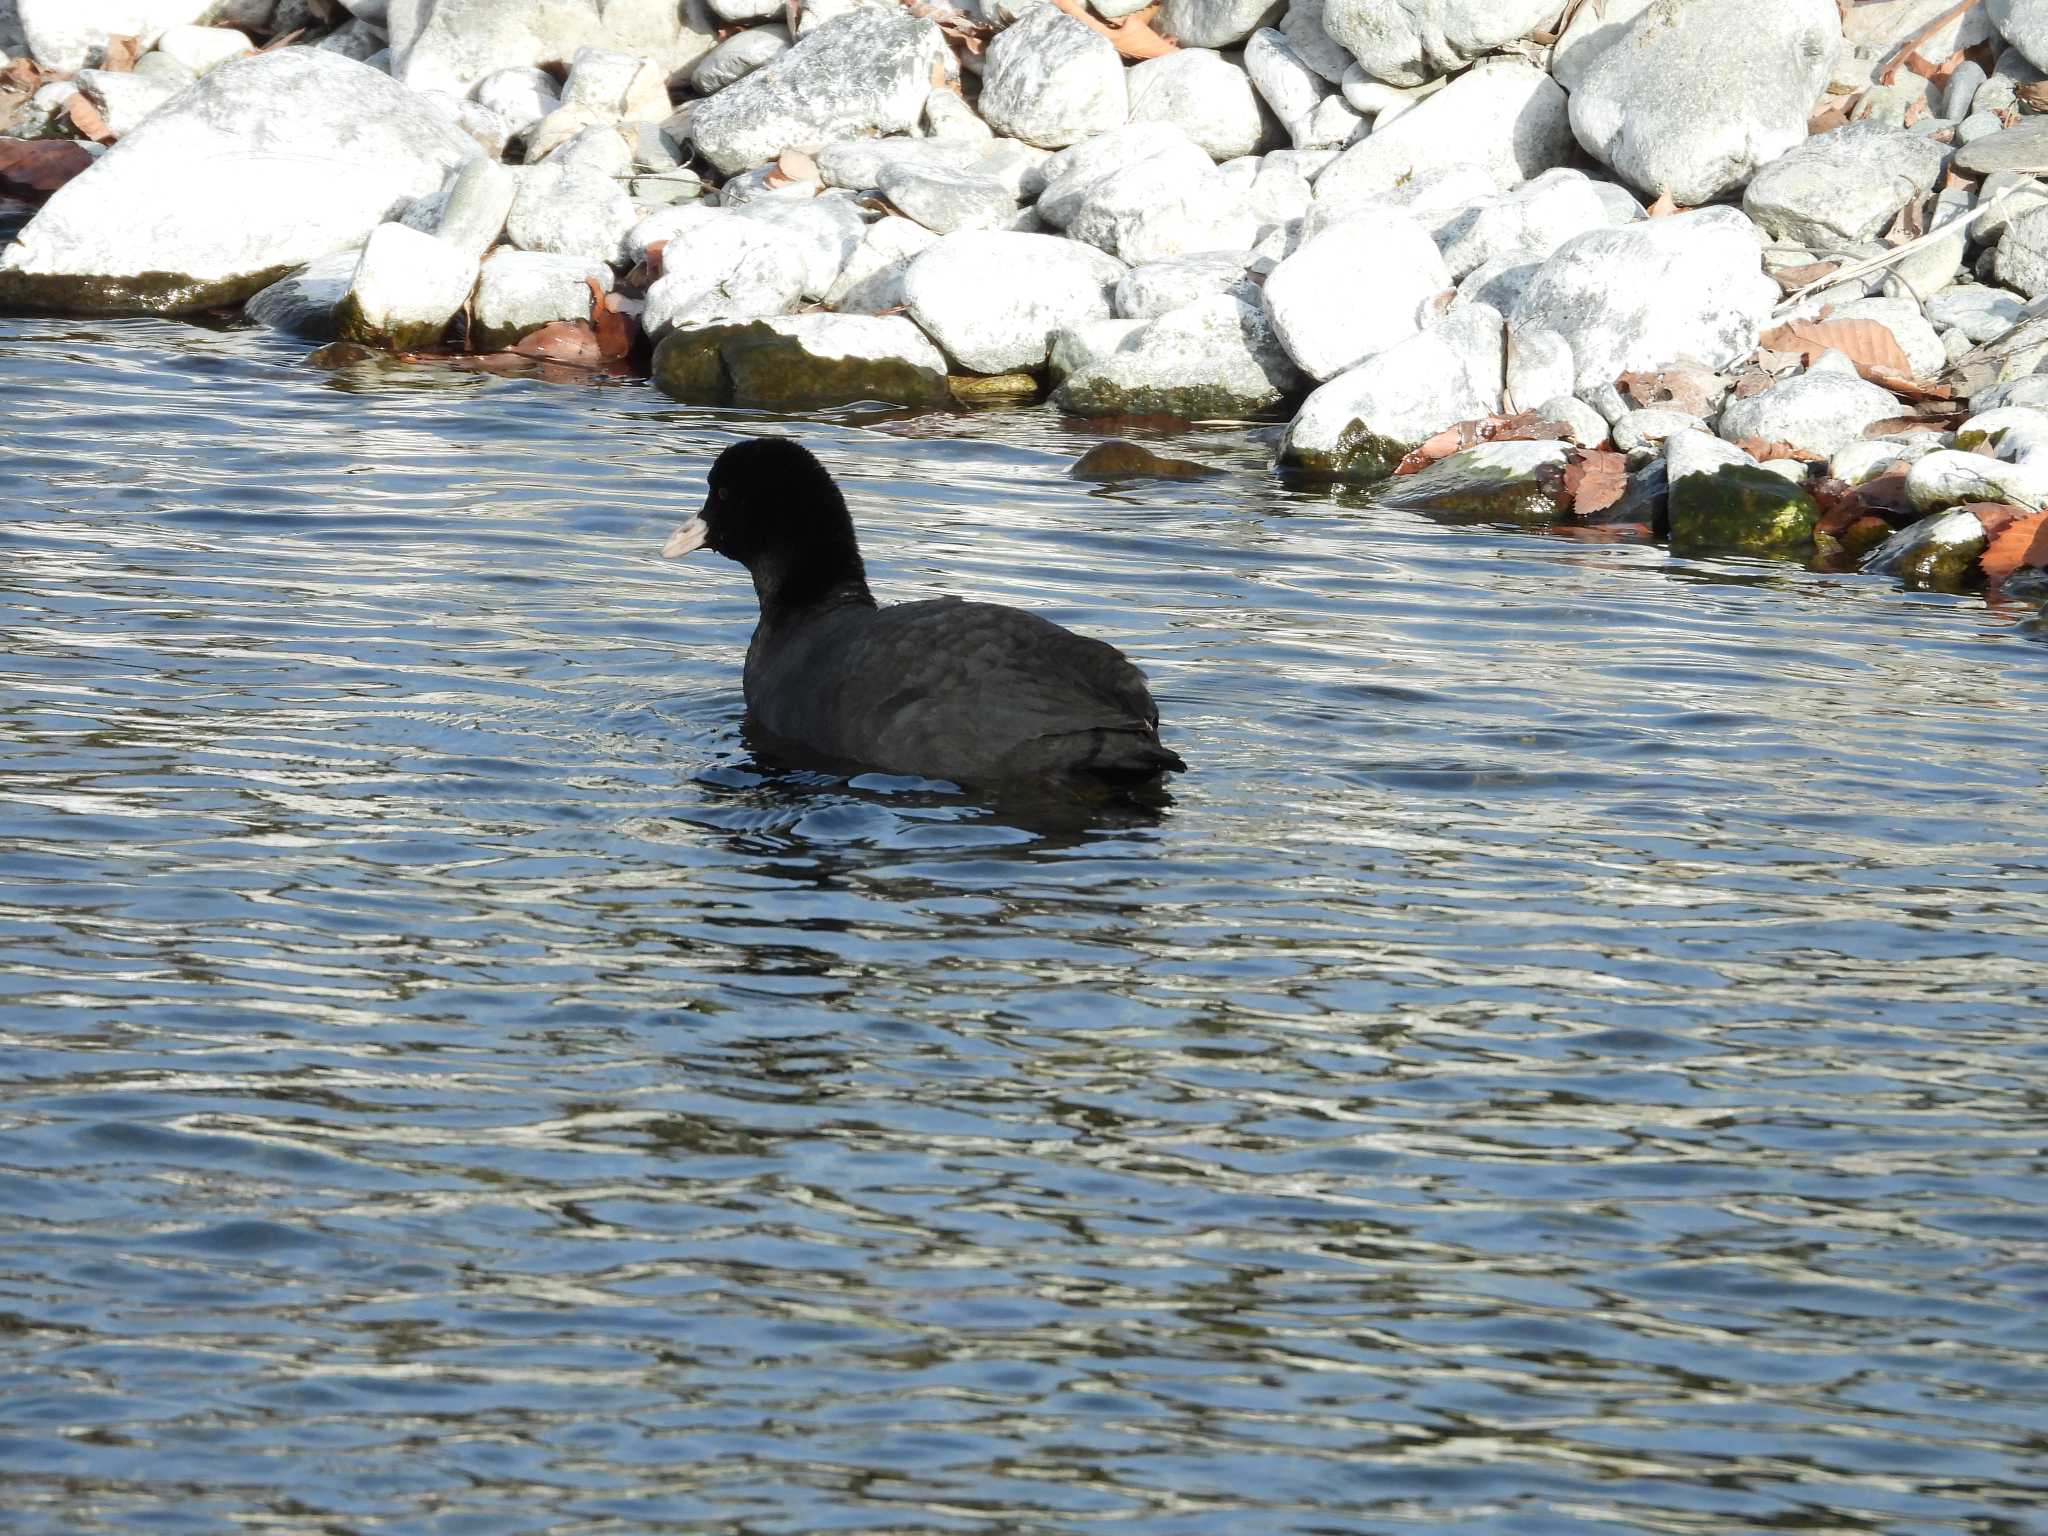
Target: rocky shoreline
pixel 1767 276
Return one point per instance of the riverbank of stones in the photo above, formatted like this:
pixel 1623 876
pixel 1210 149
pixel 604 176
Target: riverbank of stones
pixel 1758 275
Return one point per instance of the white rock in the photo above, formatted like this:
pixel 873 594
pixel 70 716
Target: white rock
pixel 1413 41
pixel 521 291
pixel 2024 24
pixel 865 72
pixel 1437 200
pixel 1588 426
pixel 994 300
pixel 1214 357
pixel 1302 26
pixel 2022 260
pixel 1049 80
pixel 450 45
pixel 857 164
pixel 1841 187
pixel 1278 194
pixel 125 99
pixel 723 279
pixel 302 304
pixel 666 224
pixel 1352 291
pixel 947 116
pixel 1209 98
pixel 406 288
pixel 1697 94
pixel 2029 389
pixel 63 35
pixel 1497 284
pixel 1289 85
pixel 1539 367
pixel 745 10
pixel 201 48
pixel 1979 312
pixel 1069 178
pixel 1203 214
pixel 355 39
pixel 1361 423
pixel 1527 223
pixel 262 165
pixel 470 210
pixel 1691 452
pixel 1508 118
pixel 1647 295
pixel 1857 462
pixel 1818 412
pixel 621 84
pixel 1160 287
pixel 1593 30
pixel 1652 428
pixel 737 57
pixel 946 200
pixel 822 233
pixel 568 209
pixel 1171 202
pixel 1214 23
pixel 1950 478
pixel 522 96
pixel 872 279
pixel 1333 125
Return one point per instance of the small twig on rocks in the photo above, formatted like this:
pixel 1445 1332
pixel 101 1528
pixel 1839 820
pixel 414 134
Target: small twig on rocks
pixel 1859 269
pixel 1911 47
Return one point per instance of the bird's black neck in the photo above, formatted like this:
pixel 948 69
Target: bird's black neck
pixel 822 575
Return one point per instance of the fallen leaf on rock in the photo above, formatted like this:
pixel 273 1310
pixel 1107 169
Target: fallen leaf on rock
pixel 22 75
pixel 1880 496
pixel 120 53
pixel 1910 48
pixel 1523 426
pixel 1760 450
pixel 1133 37
pixel 562 341
pixel 1906 386
pixel 1863 342
pixel 1753 381
pixel 86 119
pixel 40 165
pixel 797 165
pixel 2022 543
pixel 1595 480
pixel 1441 446
pixel 1696 391
pixel 1915 110
pixel 1664 206
pixel 1932 421
pixel 1791 279
pixel 2033 93
pixel 1831 112
pixel 613 327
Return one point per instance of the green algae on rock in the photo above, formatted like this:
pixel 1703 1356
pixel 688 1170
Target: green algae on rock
pixel 1121 459
pixel 134 293
pixel 1939 552
pixel 802 360
pixel 1507 482
pixel 1741 509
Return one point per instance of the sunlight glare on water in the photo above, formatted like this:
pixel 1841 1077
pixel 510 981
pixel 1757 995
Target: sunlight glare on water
pixel 1569 1059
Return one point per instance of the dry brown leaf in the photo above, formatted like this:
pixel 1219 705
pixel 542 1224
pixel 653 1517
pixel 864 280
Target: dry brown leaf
pixel 40 165
pixel 22 75
pixel 1995 516
pixel 1445 443
pixel 1595 480
pixel 1864 342
pixel 1832 112
pixel 1792 279
pixel 2023 543
pixel 1133 37
pixel 1906 386
pixel 613 327
pixel 86 119
pixel 1760 450
pixel 1696 391
pixel 796 165
pixel 120 53
pixel 562 341
pixel 1910 48
pixel 1915 110
pixel 1664 206
pixel 1522 427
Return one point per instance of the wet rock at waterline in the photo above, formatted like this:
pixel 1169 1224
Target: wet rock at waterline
pixel 1121 460
pixel 406 288
pixel 518 292
pixel 263 165
pixel 1215 357
pixel 1049 285
pixel 802 360
pixel 302 303
pixel 1511 482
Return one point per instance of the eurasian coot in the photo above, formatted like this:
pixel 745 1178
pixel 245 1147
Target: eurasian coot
pixel 977 693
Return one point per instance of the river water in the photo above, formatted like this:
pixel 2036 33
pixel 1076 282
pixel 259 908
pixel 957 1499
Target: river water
pixel 1569 1059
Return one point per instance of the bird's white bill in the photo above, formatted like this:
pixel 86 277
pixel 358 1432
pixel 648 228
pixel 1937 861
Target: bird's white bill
pixel 686 538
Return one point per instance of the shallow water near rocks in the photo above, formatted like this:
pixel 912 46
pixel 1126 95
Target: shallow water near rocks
pixel 1570 1057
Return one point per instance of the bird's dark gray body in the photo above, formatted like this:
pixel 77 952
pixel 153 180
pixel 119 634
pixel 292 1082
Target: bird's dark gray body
pixel 978 693
pixel 974 692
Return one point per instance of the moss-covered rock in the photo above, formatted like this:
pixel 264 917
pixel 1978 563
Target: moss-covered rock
pixel 137 293
pixel 1742 509
pixel 802 360
pixel 1511 482
pixel 1120 459
pixel 995 388
pixel 1938 552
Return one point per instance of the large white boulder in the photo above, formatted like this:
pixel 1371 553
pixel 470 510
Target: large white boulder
pixel 62 35
pixel 1407 42
pixel 449 45
pixel 861 73
pixel 1051 81
pixel 1644 296
pixel 406 288
pixel 263 165
pixel 1697 94
pixel 521 291
pixel 1209 97
pixel 1354 290
pixel 1821 411
pixel 1530 222
pixel 1842 187
pixel 994 299
pixel 1507 117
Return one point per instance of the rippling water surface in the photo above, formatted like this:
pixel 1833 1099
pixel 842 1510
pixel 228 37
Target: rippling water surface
pixel 1571 1058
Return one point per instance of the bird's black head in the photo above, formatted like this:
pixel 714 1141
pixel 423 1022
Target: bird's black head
pixel 772 507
